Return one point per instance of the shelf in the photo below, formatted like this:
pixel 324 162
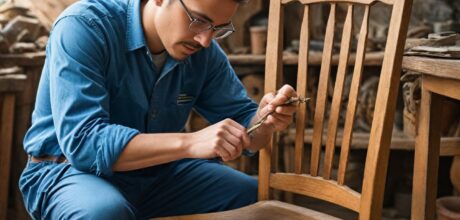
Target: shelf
pixel 13 83
pixel 24 59
pixel 449 145
pixel 372 59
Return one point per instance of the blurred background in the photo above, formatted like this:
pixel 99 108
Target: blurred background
pixel 24 30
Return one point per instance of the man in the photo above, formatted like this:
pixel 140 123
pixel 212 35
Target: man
pixel 119 81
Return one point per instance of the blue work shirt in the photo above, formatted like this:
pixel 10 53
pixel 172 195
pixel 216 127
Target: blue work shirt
pixel 99 87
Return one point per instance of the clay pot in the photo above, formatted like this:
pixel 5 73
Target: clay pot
pixel 448 208
pixel 258 39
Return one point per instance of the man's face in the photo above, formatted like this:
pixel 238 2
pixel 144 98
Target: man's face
pixel 172 24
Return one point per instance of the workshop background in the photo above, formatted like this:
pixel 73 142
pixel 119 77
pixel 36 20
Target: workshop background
pixel 24 30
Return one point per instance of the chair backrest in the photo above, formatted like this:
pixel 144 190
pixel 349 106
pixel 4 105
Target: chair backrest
pixel 316 183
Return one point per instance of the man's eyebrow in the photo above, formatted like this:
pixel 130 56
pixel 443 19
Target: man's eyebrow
pixel 202 15
pixel 208 18
pixel 223 25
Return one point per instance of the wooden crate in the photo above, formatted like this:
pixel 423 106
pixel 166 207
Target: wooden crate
pixel 10 86
pixel 31 65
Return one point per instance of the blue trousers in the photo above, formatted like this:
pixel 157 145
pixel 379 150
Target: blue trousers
pixel 58 191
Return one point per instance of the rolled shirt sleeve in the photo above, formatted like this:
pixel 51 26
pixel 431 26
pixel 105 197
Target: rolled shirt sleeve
pixel 79 97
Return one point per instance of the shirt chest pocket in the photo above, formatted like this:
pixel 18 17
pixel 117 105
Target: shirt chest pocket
pixel 176 112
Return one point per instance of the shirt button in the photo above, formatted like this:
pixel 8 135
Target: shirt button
pixel 154 113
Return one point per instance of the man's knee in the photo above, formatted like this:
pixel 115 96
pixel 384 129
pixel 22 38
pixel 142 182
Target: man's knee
pixel 244 193
pixel 102 209
pixel 87 197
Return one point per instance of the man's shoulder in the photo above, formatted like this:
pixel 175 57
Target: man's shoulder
pixel 96 10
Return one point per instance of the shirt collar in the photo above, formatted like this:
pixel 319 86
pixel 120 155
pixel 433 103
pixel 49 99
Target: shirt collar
pixel 134 31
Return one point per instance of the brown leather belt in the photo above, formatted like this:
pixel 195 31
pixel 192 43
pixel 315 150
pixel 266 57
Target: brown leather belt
pixel 60 159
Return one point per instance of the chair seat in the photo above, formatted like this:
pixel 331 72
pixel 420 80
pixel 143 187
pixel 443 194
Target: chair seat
pixel 263 210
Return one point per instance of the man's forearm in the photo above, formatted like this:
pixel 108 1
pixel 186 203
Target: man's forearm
pixel 225 139
pixel 146 150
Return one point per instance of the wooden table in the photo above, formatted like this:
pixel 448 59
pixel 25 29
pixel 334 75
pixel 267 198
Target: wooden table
pixel 440 78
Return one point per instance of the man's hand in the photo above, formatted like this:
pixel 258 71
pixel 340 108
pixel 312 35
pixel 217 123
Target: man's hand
pixel 225 139
pixel 282 115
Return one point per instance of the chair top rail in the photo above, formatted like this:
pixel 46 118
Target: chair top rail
pixel 364 2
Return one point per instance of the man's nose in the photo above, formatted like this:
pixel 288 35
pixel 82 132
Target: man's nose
pixel 204 38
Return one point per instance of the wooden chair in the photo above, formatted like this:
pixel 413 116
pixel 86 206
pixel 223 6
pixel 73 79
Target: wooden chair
pixel 316 184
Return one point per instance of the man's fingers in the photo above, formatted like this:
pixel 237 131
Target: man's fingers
pixel 277 119
pixel 286 110
pixel 283 95
pixel 239 132
pixel 288 91
pixel 235 137
pixel 279 99
pixel 230 151
pixel 267 98
pixel 285 119
pixel 241 137
pixel 235 124
pixel 246 141
pixel 265 111
pixel 223 152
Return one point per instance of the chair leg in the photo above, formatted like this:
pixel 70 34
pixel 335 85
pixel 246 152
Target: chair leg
pixel 426 159
pixel 6 136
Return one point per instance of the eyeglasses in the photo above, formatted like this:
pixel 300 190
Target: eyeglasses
pixel 198 25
